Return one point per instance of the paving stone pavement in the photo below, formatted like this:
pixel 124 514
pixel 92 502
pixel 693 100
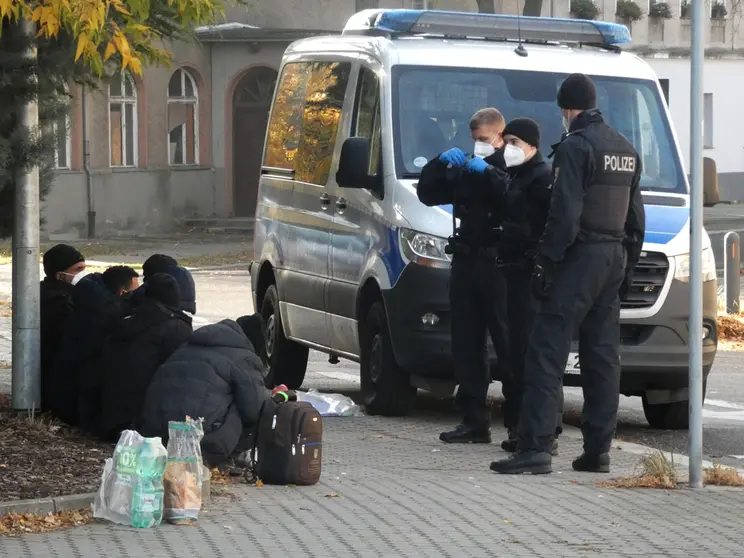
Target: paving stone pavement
pixel 391 489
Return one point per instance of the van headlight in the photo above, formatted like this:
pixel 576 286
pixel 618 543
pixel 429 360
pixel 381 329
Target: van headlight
pixel 682 266
pixel 423 249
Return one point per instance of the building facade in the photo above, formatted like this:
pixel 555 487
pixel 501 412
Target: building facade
pixel 187 141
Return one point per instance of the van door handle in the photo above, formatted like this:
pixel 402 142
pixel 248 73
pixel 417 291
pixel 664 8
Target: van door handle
pixel 340 205
pixel 325 201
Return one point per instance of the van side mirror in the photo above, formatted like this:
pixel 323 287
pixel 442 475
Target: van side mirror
pixel 353 166
pixel 711 195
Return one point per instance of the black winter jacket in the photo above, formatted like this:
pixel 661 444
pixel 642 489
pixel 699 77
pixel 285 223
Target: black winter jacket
pixel 56 309
pixel 137 346
pixel 526 204
pixel 96 309
pixel 476 198
pixel 216 376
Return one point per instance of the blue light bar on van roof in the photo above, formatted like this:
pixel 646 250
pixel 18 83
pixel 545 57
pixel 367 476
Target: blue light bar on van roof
pixel 487 26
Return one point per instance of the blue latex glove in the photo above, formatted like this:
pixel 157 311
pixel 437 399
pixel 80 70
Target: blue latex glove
pixel 477 165
pixel 455 157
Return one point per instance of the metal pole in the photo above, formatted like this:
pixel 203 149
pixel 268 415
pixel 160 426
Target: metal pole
pixel 26 386
pixel 731 272
pixel 696 246
pixel 86 167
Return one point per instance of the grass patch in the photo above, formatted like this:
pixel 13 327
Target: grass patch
pixel 718 475
pixel 655 470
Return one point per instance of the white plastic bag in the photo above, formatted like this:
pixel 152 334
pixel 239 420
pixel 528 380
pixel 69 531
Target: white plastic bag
pixel 114 499
pixel 330 404
pixel 184 472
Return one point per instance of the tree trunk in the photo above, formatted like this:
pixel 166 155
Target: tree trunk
pixel 532 8
pixel 486 7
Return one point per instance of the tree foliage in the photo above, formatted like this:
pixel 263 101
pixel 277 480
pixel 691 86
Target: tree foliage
pixel 133 30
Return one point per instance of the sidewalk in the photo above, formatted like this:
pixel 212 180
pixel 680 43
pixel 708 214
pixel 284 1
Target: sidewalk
pixel 390 488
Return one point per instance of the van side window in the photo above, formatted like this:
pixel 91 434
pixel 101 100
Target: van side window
pixel 367 115
pixel 324 101
pixel 285 128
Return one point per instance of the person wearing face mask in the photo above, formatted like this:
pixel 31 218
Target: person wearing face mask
pixel 62 264
pixel 474 184
pixel 526 204
pixel 584 264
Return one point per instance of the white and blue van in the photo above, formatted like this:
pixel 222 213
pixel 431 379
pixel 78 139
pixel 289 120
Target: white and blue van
pixel 349 262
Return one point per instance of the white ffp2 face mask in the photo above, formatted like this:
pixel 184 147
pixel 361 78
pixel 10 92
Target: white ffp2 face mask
pixel 483 149
pixel 513 156
pixel 78 276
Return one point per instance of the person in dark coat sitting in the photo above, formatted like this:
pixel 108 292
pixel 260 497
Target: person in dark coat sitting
pixel 96 309
pixel 186 287
pixel 157 263
pixel 121 279
pixel 138 345
pixel 61 264
pixel 217 375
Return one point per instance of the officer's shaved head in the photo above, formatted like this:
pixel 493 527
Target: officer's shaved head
pixel 486 126
pixel 487 117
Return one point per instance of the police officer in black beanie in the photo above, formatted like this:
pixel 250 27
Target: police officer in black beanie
pixel 584 264
pixel 526 204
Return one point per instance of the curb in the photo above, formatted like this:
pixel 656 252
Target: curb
pixel 45 506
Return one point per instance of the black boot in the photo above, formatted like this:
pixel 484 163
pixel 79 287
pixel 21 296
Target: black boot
pixel 464 434
pixel 592 463
pixel 534 462
pixel 510 444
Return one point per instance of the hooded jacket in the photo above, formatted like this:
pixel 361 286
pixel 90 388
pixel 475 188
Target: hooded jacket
pixel 136 347
pixel 216 376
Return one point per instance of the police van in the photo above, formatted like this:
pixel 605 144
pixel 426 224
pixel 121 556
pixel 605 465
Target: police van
pixel 349 262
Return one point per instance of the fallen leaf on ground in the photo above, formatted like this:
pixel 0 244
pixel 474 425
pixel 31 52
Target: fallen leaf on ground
pixel 18 524
pixel 259 483
pixel 331 495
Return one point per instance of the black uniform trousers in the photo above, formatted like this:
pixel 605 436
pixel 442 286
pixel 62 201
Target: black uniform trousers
pixel 584 297
pixel 478 308
pixel 522 307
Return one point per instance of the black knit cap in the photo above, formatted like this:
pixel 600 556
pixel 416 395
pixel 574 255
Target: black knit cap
pixel 525 129
pixel 577 93
pixel 156 263
pixel 59 258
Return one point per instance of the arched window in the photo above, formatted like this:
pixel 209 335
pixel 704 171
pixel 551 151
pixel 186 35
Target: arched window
pixel 123 121
pixel 62 145
pixel 183 120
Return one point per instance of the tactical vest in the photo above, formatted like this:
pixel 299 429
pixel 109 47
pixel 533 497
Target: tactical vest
pixel 608 196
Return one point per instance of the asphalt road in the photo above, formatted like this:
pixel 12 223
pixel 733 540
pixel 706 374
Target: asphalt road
pixel 227 294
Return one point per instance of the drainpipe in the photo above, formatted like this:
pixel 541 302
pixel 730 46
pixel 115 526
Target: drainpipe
pixel 86 169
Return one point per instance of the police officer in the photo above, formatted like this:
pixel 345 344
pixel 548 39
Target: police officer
pixel 474 185
pixel 526 204
pixel 584 262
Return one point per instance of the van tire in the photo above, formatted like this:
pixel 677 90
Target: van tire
pixel 386 388
pixel 287 359
pixel 669 416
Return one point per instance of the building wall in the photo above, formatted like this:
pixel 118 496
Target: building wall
pixel 721 78
pixel 148 196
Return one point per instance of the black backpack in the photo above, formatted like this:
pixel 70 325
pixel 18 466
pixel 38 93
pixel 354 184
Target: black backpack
pixel 288 448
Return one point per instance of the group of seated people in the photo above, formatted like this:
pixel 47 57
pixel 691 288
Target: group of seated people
pixel 118 355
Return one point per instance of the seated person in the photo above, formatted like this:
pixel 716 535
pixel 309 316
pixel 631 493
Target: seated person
pixel 217 375
pixel 75 371
pixel 186 286
pixel 121 279
pixel 138 344
pixel 61 264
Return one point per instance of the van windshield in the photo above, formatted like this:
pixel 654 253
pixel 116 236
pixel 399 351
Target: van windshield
pixel 433 106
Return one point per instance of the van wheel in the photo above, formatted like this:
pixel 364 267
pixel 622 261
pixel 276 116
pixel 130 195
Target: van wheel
pixel 386 388
pixel 669 416
pixel 287 359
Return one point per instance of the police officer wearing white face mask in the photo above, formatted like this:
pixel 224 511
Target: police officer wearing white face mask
pixel 526 204
pixel 474 184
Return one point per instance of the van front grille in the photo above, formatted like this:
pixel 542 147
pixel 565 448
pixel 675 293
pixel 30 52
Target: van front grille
pixel 648 280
